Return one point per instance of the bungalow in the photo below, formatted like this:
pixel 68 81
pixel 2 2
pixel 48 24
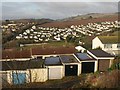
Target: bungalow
pixel 110 44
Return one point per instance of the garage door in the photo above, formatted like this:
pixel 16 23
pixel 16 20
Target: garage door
pixel 71 70
pixel 88 67
pixel 19 78
pixel 55 73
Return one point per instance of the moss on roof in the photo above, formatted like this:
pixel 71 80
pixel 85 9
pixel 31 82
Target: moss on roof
pixel 109 39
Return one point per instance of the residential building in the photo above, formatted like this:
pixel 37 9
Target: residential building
pixel 110 44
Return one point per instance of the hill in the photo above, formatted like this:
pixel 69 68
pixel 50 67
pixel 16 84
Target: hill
pixel 82 19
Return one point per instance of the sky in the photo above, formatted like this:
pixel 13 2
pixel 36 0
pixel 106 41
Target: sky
pixel 54 10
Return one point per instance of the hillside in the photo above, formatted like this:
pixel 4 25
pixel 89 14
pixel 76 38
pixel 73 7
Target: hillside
pixel 90 15
pixel 82 19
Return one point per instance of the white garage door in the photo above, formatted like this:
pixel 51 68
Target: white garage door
pixel 55 73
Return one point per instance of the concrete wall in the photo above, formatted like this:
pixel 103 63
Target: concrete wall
pixel 38 75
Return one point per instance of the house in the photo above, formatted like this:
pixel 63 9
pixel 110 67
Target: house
pixel 21 72
pixel 110 44
pixel 104 59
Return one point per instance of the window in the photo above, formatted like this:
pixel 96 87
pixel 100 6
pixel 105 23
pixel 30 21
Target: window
pixel 118 45
pixel 108 46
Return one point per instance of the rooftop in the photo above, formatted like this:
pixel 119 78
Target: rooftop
pixel 100 53
pixel 84 56
pixel 6 54
pixel 68 59
pixel 21 65
pixel 52 61
pixel 109 39
pixel 49 51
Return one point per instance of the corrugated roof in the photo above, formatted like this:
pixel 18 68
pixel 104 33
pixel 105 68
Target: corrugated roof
pixel 100 53
pixel 109 39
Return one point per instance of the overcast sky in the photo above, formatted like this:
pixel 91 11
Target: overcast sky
pixel 54 10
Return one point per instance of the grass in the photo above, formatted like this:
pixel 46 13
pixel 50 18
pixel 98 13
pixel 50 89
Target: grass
pixel 50 44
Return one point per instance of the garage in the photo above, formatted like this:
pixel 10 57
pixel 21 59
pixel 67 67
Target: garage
pixel 88 67
pixel 55 72
pixel 55 67
pixel 71 70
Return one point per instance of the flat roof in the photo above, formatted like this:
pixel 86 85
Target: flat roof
pixel 84 56
pixel 14 54
pixel 52 61
pixel 100 53
pixel 68 59
pixel 21 65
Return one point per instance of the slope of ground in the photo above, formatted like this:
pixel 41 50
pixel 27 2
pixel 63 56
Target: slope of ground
pixel 65 24
pixel 96 80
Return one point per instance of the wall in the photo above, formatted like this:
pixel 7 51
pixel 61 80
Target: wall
pixel 97 43
pixel 38 75
pixel 114 47
pixel 9 77
pixel 103 64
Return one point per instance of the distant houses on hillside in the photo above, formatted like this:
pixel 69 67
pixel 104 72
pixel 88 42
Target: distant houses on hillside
pixel 40 34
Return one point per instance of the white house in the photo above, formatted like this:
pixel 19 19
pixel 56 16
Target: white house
pixel 110 44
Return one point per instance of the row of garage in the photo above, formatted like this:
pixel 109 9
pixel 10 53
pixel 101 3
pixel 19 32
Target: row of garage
pixel 60 66
pixel 76 64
